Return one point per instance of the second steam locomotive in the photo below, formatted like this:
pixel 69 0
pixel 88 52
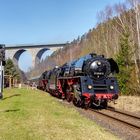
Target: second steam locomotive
pixel 87 81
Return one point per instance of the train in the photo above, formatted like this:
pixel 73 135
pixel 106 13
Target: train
pixel 87 81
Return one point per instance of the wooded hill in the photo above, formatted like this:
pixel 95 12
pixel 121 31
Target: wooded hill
pixel 116 23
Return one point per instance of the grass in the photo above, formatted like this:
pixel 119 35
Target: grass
pixel 128 103
pixel 27 114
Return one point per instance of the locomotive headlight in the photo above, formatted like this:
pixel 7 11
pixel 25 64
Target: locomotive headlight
pixel 89 86
pixel 111 87
pixel 98 63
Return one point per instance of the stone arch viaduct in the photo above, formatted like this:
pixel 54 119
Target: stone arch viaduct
pixel 36 51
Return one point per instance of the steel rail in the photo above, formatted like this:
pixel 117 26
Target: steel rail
pixel 120 120
pixel 123 113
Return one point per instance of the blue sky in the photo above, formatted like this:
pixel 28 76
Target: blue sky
pixel 47 21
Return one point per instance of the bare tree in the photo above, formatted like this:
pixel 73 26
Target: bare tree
pixel 135 6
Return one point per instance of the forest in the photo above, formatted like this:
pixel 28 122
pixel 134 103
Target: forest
pixel 116 35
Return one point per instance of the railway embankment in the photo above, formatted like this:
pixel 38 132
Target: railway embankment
pixel 128 103
pixel 35 115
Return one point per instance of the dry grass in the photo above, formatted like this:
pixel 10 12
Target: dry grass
pixel 34 115
pixel 128 103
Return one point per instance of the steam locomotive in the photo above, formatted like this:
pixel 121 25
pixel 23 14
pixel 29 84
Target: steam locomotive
pixel 87 81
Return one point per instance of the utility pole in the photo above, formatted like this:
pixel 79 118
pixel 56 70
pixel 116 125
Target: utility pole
pixel 1 80
pixel 2 64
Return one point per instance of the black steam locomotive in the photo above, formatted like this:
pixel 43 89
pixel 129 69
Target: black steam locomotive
pixel 85 81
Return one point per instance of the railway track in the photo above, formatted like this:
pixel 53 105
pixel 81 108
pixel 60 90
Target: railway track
pixel 122 117
pixel 123 112
pixel 126 118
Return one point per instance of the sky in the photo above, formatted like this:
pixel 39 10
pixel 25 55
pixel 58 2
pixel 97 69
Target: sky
pixel 46 21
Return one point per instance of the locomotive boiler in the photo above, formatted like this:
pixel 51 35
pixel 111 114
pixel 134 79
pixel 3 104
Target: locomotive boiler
pixel 87 81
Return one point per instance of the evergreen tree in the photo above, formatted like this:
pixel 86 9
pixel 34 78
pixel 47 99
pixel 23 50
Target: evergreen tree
pixel 124 61
pixel 11 70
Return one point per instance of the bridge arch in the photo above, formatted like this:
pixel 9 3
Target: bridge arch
pixel 17 55
pixel 39 54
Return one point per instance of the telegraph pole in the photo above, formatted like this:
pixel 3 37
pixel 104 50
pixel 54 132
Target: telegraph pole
pixel 2 64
